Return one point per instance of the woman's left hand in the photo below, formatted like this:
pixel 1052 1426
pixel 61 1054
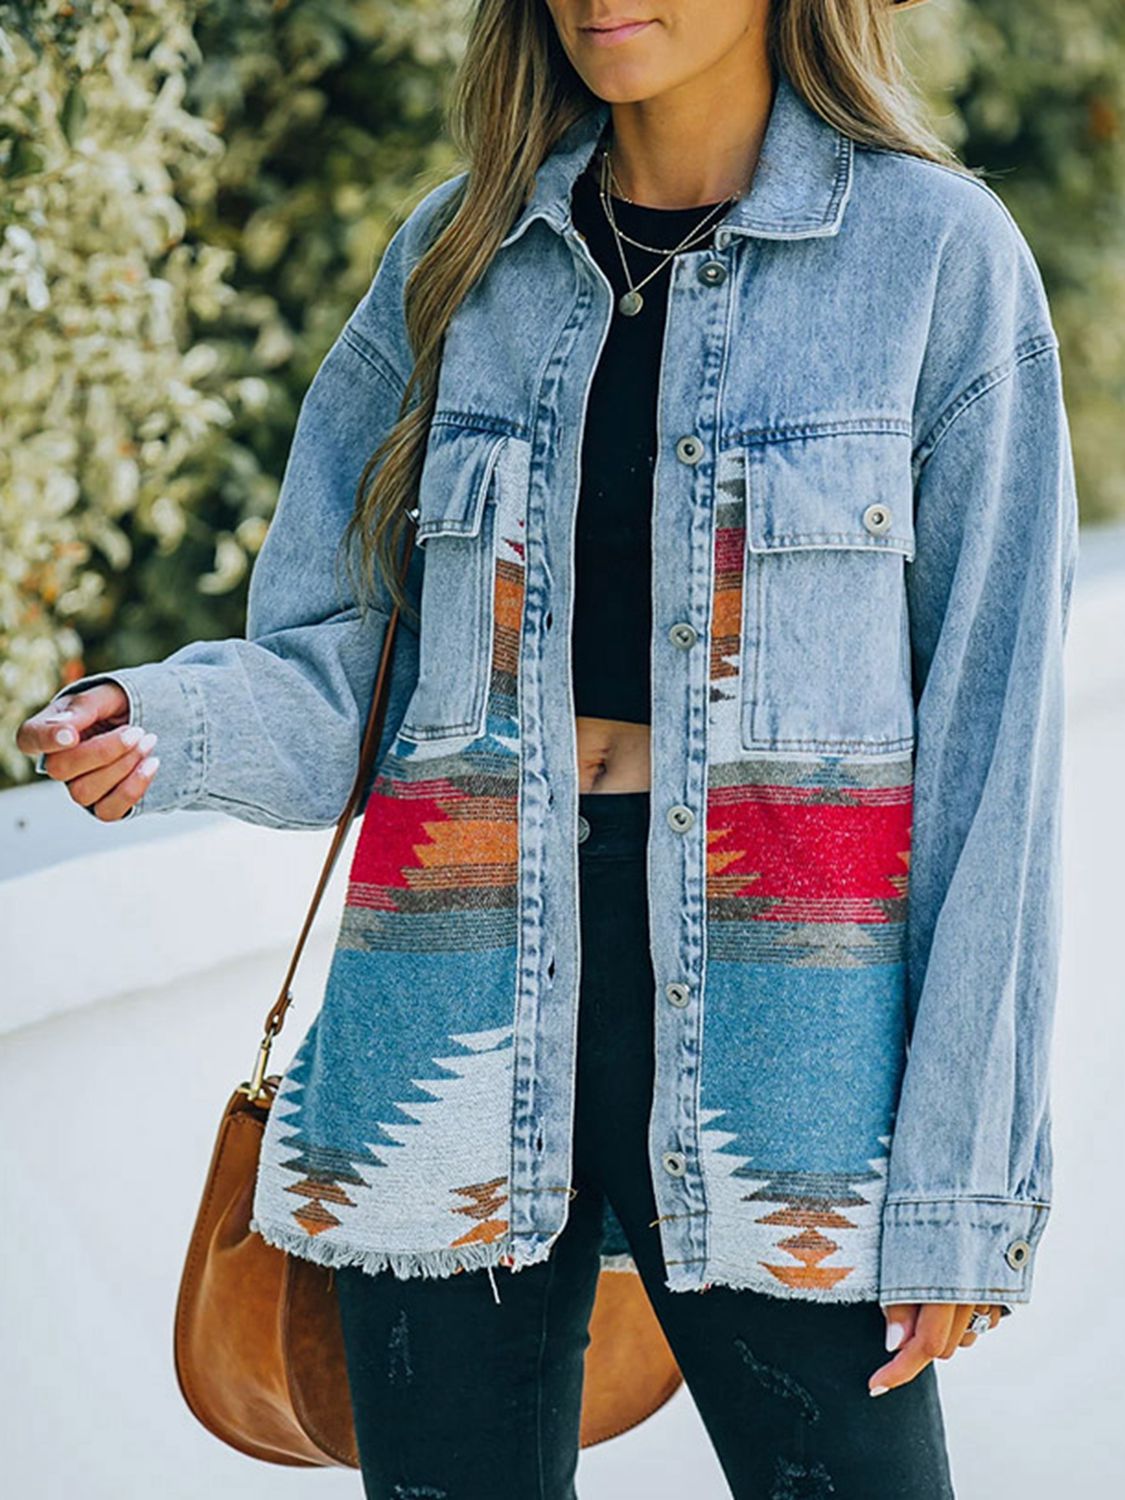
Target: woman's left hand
pixel 925 1331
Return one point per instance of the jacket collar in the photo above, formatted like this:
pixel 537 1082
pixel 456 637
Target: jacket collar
pixel 800 188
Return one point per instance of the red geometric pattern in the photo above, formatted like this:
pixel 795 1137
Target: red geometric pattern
pixel 432 838
pixel 809 853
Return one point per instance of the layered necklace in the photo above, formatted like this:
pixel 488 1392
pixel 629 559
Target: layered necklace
pixel 631 301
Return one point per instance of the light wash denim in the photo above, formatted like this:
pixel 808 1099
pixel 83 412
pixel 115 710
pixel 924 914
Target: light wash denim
pixel 864 542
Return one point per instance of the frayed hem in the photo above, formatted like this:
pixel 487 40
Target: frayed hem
pixel 769 1287
pixel 402 1263
pixel 450 1260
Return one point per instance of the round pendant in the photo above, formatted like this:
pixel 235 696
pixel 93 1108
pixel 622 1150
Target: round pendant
pixel 631 303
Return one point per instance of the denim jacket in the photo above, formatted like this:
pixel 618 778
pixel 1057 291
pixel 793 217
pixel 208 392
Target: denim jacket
pixel 864 541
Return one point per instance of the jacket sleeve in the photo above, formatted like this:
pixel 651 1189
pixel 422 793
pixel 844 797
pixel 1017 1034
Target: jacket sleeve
pixel 969 1177
pixel 267 728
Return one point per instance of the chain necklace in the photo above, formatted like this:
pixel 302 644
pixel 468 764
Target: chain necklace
pixel 631 301
pixel 640 244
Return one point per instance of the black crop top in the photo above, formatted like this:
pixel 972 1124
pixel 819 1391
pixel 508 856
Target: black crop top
pixel 613 541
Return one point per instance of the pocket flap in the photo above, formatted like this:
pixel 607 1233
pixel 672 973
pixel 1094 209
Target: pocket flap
pixel 843 489
pixel 456 478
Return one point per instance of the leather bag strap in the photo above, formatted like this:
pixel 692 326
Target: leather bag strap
pixel 376 716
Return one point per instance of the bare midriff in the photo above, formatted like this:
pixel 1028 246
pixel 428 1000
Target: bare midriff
pixel 613 755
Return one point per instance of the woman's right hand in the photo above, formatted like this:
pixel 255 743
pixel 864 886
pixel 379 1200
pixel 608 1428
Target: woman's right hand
pixel 88 743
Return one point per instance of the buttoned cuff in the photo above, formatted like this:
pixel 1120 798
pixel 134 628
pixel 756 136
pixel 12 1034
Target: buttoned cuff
pixel 164 701
pixel 959 1250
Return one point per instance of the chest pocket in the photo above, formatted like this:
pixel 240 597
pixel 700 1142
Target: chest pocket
pixel 825 654
pixel 457 505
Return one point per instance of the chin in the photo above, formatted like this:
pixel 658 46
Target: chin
pixel 622 93
pixel 622 84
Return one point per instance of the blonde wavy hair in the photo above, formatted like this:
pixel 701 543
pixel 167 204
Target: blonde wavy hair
pixel 514 94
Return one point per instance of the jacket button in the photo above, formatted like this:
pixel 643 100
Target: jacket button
pixel 680 818
pixel 675 1163
pixel 677 993
pixel 712 273
pixel 583 829
pixel 1017 1253
pixel 689 450
pixel 877 519
pixel 683 635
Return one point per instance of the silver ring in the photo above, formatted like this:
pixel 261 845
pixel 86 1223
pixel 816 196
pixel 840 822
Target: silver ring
pixel 979 1323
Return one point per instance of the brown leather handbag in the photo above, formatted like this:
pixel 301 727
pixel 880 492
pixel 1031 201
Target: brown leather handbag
pixel 258 1344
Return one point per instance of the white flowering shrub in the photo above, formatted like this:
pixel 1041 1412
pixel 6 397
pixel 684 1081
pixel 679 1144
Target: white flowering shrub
pixel 102 399
pixel 195 196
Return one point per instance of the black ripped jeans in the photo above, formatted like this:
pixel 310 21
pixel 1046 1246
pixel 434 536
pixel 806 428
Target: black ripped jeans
pixel 458 1397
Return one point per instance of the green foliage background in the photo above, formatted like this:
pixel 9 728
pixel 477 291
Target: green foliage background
pixel 195 194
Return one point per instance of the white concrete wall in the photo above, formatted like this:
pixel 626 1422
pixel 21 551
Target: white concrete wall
pixel 122 1033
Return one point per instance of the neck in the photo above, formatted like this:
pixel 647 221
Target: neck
pixel 699 142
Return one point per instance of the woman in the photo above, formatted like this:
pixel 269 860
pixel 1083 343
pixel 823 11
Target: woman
pixel 729 416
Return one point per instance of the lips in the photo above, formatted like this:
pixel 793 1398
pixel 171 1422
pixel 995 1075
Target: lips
pixel 615 31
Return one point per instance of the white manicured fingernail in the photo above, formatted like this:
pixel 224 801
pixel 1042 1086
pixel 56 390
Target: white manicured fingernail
pixel 895 1332
pixel 147 743
pixel 148 767
pixel 131 735
pixel 878 1390
pixel 66 737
